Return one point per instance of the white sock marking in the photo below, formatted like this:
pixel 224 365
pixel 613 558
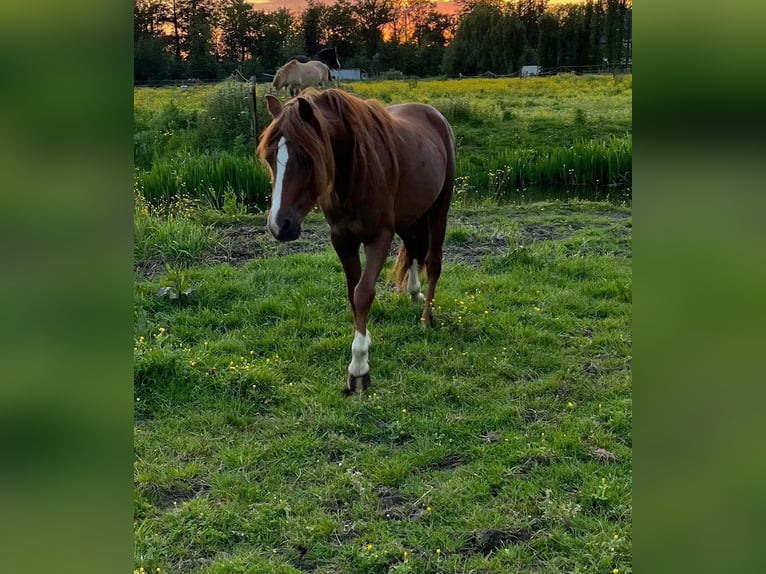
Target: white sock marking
pixel 359 355
pixel 413 282
pixel 276 200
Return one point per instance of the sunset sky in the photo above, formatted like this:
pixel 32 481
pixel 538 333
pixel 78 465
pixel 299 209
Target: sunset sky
pixel 448 6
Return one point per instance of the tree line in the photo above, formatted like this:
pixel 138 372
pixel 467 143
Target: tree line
pixel 210 39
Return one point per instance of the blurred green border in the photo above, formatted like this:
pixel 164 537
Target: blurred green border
pixel 66 294
pixel 699 283
pixel 66 413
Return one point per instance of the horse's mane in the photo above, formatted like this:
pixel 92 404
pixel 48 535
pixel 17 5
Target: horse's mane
pixel 310 142
pixel 366 122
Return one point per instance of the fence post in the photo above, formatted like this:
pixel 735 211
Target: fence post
pixel 254 109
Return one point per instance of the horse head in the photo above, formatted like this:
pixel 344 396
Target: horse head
pixel 297 150
pixel 330 57
pixel 282 75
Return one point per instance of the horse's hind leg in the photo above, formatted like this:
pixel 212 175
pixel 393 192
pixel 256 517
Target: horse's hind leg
pixel 412 258
pixel 437 227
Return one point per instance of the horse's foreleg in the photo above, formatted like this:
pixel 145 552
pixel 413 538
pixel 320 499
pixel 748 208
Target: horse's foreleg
pixel 348 252
pixel 364 293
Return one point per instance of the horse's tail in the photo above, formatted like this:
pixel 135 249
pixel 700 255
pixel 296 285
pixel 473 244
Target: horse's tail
pixel 414 247
pixel 401 270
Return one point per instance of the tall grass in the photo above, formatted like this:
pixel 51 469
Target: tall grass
pixel 572 133
pixel 168 232
pixel 207 176
pixel 586 163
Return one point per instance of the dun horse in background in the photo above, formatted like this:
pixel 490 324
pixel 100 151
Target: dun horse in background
pixel 374 171
pixel 296 75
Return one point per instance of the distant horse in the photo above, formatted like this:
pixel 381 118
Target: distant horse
pixel 374 171
pixel 296 75
pixel 328 55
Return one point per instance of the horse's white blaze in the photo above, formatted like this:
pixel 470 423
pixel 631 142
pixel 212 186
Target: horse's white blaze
pixel 276 200
pixel 413 282
pixel 359 355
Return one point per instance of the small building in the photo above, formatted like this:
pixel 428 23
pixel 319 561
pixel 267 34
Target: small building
pixel 527 71
pixel 349 74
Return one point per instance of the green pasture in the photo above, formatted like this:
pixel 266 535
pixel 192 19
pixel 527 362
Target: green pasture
pixel 498 441
pixel 569 132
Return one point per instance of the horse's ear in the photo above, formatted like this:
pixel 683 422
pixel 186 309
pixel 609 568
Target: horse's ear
pixel 274 105
pixel 305 110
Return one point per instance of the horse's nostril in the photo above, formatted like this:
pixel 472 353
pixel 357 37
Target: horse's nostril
pixel 288 230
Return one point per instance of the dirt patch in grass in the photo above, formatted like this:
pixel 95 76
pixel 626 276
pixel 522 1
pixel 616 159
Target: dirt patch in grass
pixel 473 251
pixel 531 415
pixel 449 462
pixel 174 495
pixel 603 455
pixel 148 269
pixel 543 232
pixel 193 564
pixel 487 540
pixel 523 469
pixel 239 244
pixel 392 505
pixel 244 243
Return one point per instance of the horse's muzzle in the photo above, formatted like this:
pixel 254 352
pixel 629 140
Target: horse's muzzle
pixel 286 229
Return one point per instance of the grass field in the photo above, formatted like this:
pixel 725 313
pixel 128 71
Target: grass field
pixel 499 441
pixel 566 131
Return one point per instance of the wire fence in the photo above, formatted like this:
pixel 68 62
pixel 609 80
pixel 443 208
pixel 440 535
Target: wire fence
pixel 263 77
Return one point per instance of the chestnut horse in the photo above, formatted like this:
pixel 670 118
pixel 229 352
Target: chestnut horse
pixel 374 171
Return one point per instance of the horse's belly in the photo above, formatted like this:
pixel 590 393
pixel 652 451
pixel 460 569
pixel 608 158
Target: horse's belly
pixel 420 184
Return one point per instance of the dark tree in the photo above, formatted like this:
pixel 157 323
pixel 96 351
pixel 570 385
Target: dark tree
pixel 236 29
pixel 372 15
pixel 312 23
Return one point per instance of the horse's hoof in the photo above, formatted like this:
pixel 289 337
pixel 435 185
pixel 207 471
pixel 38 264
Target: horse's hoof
pixel 417 297
pixel 357 383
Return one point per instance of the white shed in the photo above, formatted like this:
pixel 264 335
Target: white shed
pixel 527 71
pixel 348 74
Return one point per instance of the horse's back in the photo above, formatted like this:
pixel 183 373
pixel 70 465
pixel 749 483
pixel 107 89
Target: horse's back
pixel 322 70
